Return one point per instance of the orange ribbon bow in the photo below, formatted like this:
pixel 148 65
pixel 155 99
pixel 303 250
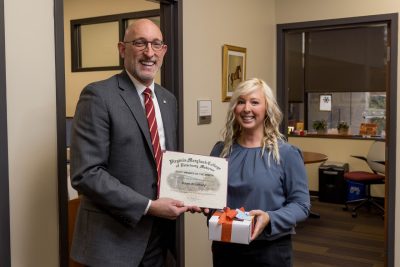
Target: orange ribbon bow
pixel 226 219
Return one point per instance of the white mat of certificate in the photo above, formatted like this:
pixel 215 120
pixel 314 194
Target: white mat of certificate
pixel 194 179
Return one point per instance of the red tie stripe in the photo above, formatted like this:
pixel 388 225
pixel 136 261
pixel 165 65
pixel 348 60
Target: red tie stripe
pixel 152 122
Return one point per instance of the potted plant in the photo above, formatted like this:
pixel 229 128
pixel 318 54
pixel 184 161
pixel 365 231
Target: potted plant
pixel 320 126
pixel 343 127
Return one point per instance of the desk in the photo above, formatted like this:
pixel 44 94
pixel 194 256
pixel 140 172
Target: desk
pixel 313 157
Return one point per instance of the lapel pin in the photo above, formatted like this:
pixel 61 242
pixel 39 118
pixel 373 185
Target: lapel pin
pixel 164 101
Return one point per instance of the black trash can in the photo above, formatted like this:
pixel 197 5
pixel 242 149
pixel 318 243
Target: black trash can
pixel 332 186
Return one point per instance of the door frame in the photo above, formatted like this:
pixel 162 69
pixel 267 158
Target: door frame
pixel 391 108
pixel 171 16
pixel 5 249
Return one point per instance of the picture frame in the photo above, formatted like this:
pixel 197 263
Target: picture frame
pixel 325 102
pixel 233 69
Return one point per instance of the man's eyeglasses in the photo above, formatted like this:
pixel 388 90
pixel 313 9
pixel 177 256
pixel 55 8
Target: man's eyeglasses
pixel 141 44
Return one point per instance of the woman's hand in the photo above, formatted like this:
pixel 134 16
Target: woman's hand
pixel 262 220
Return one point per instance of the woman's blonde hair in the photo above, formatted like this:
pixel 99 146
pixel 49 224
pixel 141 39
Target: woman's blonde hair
pixel 273 117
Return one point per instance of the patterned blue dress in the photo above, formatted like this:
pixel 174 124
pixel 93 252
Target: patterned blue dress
pixel 256 181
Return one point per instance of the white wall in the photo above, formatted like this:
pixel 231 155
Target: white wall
pixel 207 26
pixel 31 115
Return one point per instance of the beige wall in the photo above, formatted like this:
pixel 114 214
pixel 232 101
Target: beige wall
pixel 77 9
pixel 207 26
pixel 31 115
pixel 306 10
pixel 337 150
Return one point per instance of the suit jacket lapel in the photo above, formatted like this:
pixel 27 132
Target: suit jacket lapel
pixel 165 110
pixel 131 98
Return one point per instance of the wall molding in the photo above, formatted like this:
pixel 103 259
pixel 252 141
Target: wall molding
pixel 61 133
pixel 5 250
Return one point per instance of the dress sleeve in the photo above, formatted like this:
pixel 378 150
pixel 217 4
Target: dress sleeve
pixel 215 152
pixel 217 149
pixel 295 183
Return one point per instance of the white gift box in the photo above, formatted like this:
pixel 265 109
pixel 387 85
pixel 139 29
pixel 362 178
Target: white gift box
pixel 240 231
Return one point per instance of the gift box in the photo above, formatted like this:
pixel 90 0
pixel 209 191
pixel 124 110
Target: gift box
pixel 233 226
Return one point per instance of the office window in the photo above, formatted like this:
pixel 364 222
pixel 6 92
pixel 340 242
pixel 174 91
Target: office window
pixel 94 40
pixel 349 63
pixel 98 42
pixel 352 107
pixel 346 59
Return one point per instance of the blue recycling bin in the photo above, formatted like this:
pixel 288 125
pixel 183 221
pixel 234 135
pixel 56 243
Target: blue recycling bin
pixel 355 191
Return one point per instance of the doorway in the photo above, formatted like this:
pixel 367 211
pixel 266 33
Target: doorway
pixel 171 21
pixel 283 96
pixel 5 250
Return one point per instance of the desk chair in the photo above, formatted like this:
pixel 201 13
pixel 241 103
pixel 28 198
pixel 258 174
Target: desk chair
pixel 376 161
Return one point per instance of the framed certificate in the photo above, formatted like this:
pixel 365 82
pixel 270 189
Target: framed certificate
pixel 194 179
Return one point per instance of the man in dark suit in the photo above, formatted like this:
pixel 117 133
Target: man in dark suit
pixel 120 221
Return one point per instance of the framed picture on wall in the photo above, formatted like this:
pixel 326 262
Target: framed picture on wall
pixel 233 69
pixel 325 102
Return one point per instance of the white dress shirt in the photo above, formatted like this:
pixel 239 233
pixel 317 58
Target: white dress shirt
pixel 140 89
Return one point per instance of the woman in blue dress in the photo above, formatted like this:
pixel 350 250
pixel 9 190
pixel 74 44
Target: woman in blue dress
pixel 266 176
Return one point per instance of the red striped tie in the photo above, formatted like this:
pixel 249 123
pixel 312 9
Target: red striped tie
pixel 155 139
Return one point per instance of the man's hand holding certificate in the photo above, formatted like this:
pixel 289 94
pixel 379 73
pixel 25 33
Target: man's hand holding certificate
pixel 194 179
